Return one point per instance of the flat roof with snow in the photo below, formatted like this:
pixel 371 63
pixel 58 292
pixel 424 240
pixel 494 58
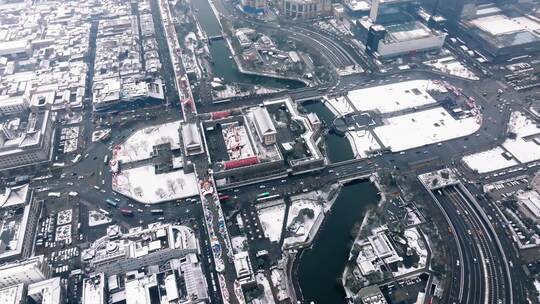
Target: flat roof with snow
pixel 531 200
pixel 422 128
pixel 488 161
pixel 394 97
pixel 502 30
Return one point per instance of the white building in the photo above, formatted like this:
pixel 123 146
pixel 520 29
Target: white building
pixel 15 48
pixel 242 265
pixel 25 142
pixel 304 9
pixel 139 247
pixel 405 38
pixel 192 139
pixel 94 289
pixel 31 270
pixel 47 292
pixel 529 202
pixel 264 126
pixel 13 294
pixel 19 213
pixel 10 105
pixel 254 6
pixel 178 281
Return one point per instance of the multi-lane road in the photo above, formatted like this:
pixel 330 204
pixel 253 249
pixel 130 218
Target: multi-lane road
pixel 483 275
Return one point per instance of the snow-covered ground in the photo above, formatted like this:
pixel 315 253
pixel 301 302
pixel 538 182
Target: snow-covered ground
pixel 339 106
pixel 271 219
pixel 64 217
pixel 452 66
pixel 362 142
pixel 239 243
pixel 63 233
pixel 422 128
pixel 96 218
pixel 394 97
pixel 143 185
pixel 301 232
pixel 139 145
pixel 488 161
pixel 523 147
pixel 266 297
pixel 415 241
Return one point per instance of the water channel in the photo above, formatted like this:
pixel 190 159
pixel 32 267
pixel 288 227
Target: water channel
pixel 224 66
pixel 338 147
pixel 320 267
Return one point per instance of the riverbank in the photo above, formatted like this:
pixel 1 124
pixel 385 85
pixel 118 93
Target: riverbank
pixel 243 70
pixel 330 246
pixel 382 200
pixel 214 27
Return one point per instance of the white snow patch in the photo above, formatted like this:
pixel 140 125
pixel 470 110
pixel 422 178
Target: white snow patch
pixel 423 128
pixel 302 231
pixel 140 144
pixel 271 219
pixel 266 297
pixel 339 106
pixel 451 66
pixel 362 142
pixel 143 185
pixel 523 148
pixel 96 218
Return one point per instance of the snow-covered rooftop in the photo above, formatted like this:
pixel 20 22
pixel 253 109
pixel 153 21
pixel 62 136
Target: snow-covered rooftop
pixel 501 24
pixel 237 141
pixel 422 128
pixel 488 161
pixel 394 97
pixel 524 148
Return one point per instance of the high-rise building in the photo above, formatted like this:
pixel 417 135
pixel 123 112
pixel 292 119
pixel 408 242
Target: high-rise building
pixel 19 211
pixel 386 11
pixel 26 141
pixel 304 9
pixel 456 10
pixel 29 271
pixel 254 6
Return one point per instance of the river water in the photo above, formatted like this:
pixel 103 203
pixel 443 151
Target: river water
pixel 320 267
pixel 224 66
pixel 338 147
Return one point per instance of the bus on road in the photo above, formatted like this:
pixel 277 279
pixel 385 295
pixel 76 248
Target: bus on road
pixel 111 203
pixel 54 194
pixel 267 198
pixel 156 211
pixel 126 212
pixel 263 194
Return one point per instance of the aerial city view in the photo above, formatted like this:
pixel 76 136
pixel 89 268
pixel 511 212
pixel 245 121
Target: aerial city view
pixel 270 151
